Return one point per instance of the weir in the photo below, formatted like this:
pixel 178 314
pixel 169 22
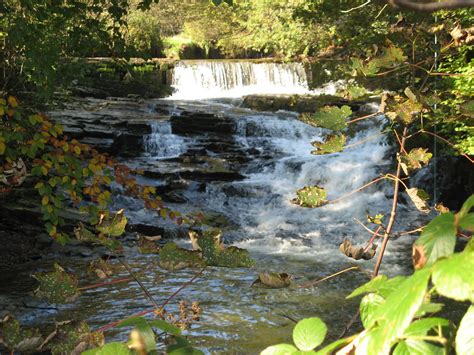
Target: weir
pixel 219 78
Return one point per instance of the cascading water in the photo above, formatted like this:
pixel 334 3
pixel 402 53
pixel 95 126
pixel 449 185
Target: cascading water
pixel 272 154
pixel 162 143
pixel 214 79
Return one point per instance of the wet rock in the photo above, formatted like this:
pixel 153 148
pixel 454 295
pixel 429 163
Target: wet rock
pixel 298 103
pixel 197 123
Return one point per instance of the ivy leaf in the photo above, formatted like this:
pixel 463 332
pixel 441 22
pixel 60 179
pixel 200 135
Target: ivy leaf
pixel 419 198
pixel 113 227
pixel 57 286
pixel 309 333
pixel 415 159
pixel 465 335
pixel 453 278
pixel 310 196
pixel 332 144
pixel 436 241
pixel 280 349
pixel 368 305
pixel 330 117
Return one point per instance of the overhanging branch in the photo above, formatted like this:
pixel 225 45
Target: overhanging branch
pixel 432 6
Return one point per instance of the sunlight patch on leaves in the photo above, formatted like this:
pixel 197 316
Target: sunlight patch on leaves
pixel 332 144
pixel 330 117
pixel 310 196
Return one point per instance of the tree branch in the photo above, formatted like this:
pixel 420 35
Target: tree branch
pixel 432 6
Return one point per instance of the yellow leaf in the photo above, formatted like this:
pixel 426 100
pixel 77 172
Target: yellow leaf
pixel 2 110
pixel 12 101
pixel 45 200
pixel 2 148
pixel 3 102
pixel 66 147
pixel 39 185
pixel 77 150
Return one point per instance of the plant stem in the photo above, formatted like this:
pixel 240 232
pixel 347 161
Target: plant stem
pixel 312 283
pixel 88 287
pixel 393 212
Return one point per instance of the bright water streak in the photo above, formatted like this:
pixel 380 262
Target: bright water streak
pixel 194 80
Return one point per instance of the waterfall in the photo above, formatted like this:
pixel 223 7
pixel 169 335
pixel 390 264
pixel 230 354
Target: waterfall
pixel 162 143
pixel 216 79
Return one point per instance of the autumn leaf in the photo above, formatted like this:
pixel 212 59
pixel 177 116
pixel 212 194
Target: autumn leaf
pixel 310 196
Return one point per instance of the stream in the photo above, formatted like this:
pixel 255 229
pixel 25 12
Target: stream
pixel 253 165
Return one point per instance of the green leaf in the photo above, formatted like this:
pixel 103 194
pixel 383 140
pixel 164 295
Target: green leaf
pixel 415 159
pixel 57 286
pixel 436 241
pixel 380 285
pixel 395 315
pixel 132 322
pixel 465 334
pixel 417 347
pixel 146 336
pixel 165 326
pixel 465 219
pixel 329 349
pixel 421 327
pixel 310 196
pixel 280 349
pixel 110 349
pixel 453 277
pixel 309 333
pixel 173 257
pixel 330 117
pixel 332 144
pixel 429 308
pixel 113 227
pixel 368 305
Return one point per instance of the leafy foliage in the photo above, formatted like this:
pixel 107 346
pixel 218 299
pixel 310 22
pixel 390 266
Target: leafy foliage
pixel 57 286
pixel 310 196
pixel 330 117
pixel 332 144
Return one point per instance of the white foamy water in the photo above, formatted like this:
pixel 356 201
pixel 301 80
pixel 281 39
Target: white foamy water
pixel 162 143
pixel 215 79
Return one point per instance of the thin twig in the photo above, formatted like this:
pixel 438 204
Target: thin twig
pixel 357 190
pixel 365 139
pixel 88 287
pixel 364 117
pixel 357 7
pixel 312 283
pixel 393 212
pixel 447 142
pixel 187 283
pixel 368 229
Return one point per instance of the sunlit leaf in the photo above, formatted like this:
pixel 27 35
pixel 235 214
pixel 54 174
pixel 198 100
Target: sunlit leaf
pixel 110 349
pixel 280 349
pixel 453 278
pixel 436 241
pixel 421 327
pixel 415 159
pixel 417 347
pixel 57 286
pixel 114 226
pixel 332 144
pixel 465 334
pixel 395 315
pixel 309 333
pixel 367 307
pixel 419 198
pixel 330 117
pixel 310 196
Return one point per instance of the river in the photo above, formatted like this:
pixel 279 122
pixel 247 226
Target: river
pixel 271 153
